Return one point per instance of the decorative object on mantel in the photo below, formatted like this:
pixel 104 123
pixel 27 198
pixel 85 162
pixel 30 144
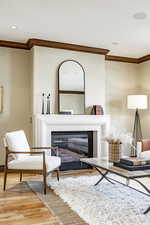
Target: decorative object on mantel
pixel 136 102
pixel 1 99
pixel 48 104
pixel 43 103
pixel 67 112
pixel 97 110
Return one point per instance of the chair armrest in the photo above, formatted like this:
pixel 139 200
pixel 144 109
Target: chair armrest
pixel 47 148
pixel 34 153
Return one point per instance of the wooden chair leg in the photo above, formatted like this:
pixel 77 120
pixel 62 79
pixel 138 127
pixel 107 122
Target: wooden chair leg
pixel 5 180
pixel 44 182
pixel 44 173
pixel 57 171
pixel 20 176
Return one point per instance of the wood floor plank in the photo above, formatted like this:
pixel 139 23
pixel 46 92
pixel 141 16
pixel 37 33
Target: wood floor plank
pixel 20 206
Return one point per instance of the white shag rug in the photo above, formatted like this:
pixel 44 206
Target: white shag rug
pixel 104 204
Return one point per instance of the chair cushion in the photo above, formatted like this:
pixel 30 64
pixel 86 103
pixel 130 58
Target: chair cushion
pixel 17 141
pixel 35 163
pixel 145 155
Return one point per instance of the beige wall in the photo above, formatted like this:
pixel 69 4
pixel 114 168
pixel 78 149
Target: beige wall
pixel 107 83
pixel 121 80
pixel 45 77
pixel 15 78
pixel 144 84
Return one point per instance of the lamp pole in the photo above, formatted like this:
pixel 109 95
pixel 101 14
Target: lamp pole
pixel 137 133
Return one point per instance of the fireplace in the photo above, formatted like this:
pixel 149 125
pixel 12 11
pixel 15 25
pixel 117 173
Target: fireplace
pixel 73 145
pixel 45 125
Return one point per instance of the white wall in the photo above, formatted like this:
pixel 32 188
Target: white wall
pixel 45 77
pixel 122 79
pixel 15 78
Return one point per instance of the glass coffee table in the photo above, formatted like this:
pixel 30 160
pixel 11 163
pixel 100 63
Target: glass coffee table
pixel 108 167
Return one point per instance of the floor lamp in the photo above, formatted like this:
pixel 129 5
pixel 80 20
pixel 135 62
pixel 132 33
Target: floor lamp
pixel 136 102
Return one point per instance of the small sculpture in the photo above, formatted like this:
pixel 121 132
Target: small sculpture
pixel 43 103
pixel 48 104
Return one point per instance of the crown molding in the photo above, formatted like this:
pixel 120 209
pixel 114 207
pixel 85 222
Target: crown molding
pixel 121 59
pixel 144 58
pixel 60 45
pixel 81 48
pixel 127 59
pixel 52 44
pixel 12 44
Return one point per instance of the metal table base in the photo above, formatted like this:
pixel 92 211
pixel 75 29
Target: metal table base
pixel 104 176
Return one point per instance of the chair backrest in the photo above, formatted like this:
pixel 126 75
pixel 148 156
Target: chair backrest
pixel 145 145
pixel 145 153
pixel 16 141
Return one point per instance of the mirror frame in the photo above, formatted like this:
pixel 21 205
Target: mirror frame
pixel 69 91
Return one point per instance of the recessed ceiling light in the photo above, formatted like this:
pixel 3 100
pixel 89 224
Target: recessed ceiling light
pixel 115 43
pixel 140 16
pixel 13 27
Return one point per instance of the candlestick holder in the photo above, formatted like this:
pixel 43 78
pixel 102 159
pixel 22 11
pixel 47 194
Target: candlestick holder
pixel 48 104
pixel 43 103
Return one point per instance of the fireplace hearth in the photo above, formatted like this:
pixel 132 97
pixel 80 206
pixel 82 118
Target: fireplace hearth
pixel 73 145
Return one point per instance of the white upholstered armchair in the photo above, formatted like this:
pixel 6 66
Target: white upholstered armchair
pixel 19 157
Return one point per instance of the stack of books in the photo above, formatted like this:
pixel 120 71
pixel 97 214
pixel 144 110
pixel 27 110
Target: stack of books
pixel 133 163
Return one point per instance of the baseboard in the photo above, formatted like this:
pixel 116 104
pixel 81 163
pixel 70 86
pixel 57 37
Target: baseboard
pixel 1 168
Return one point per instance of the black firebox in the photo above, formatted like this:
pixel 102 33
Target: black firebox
pixel 73 145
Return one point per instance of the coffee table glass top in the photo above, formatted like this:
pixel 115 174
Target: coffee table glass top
pixel 108 166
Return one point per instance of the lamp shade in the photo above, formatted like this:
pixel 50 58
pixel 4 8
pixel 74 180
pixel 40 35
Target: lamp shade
pixel 137 101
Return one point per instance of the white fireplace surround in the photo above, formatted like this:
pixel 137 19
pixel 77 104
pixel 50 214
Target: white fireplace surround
pixel 99 124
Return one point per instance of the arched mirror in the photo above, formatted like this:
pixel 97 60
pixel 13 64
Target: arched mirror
pixel 71 88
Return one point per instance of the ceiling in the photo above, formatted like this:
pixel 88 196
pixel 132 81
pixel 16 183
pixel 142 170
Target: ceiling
pixel 95 23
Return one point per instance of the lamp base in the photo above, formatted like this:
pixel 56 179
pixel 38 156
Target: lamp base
pixel 137 134
pixel 133 152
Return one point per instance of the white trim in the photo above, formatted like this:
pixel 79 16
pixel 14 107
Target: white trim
pixel 45 124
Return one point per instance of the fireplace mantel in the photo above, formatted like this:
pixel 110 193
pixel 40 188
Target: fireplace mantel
pixel 45 124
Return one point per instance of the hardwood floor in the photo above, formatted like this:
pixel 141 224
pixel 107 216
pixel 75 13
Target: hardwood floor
pixel 20 206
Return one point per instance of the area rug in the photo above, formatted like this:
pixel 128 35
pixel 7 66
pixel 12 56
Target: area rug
pixel 60 210
pixel 104 204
